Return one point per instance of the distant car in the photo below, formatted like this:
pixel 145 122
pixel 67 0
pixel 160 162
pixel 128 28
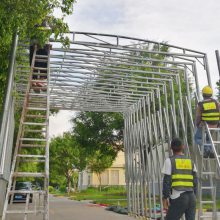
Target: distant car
pixel 21 197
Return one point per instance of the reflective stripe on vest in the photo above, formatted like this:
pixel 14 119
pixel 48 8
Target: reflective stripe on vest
pixel 182 169
pixel 210 118
pixel 182 176
pixel 210 110
pixel 211 114
pixel 184 184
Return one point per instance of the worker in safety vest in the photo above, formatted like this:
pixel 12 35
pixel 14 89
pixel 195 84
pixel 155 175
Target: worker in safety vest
pixel 207 111
pixel 179 184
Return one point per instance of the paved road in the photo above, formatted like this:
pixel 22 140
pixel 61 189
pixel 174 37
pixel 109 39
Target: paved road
pixel 65 209
pixel 62 208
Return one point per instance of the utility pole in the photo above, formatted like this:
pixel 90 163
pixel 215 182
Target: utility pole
pixel 218 61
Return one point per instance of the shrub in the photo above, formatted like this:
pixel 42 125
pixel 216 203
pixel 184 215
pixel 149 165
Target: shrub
pixel 51 189
pixel 62 189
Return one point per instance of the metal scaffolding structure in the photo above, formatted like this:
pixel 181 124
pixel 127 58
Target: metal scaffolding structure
pixel 154 85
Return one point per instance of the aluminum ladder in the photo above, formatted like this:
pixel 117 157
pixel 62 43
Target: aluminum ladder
pixel 209 172
pixel 31 155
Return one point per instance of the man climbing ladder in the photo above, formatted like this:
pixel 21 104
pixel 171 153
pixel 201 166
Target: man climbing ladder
pixel 208 111
pixel 207 136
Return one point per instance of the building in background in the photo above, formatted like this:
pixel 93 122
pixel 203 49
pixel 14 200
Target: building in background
pixel 113 176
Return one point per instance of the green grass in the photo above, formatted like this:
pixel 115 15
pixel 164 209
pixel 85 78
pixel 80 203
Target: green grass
pixel 209 206
pixel 108 195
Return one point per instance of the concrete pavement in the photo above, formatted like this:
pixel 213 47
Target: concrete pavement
pixel 62 208
pixel 65 209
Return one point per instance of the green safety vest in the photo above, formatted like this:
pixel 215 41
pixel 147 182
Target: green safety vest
pixel 210 111
pixel 182 173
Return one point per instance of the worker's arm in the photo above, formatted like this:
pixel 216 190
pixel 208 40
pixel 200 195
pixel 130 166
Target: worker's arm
pixel 195 179
pixel 166 186
pixel 166 183
pixel 198 116
pixel 195 182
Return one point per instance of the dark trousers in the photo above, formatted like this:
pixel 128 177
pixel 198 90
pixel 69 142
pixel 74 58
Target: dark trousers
pixel 185 204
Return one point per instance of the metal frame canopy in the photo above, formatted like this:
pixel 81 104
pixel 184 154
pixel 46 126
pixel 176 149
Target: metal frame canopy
pixel 154 85
pixel 111 73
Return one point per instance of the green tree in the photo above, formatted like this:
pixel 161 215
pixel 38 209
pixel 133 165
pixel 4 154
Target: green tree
pixel 22 16
pixel 65 156
pixel 99 131
pixel 99 162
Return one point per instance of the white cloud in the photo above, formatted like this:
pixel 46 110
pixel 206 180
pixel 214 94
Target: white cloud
pixel 60 123
pixel 190 23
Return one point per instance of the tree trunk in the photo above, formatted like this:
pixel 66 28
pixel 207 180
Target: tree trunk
pixel 68 184
pixel 100 181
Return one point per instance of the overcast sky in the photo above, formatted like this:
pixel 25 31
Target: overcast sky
pixel 192 24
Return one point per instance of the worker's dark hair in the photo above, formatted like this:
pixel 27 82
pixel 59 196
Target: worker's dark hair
pixel 176 145
pixel 206 95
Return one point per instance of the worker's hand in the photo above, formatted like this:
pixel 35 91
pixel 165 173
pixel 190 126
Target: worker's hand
pixel 165 203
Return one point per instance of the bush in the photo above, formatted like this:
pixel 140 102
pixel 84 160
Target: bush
pixel 62 189
pixel 51 189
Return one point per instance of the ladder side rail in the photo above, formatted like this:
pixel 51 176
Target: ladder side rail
pixel 46 184
pixel 18 140
pixel 213 145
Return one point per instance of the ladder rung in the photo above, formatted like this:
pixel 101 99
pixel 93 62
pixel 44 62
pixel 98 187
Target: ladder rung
pixel 38 109
pixel 205 216
pixel 32 161
pixel 43 56
pixel 31 145
pixel 39 68
pixel 23 212
pixel 36 116
pixel 207 202
pixel 31 156
pixel 27 191
pixel 20 66
pixel 38 94
pixel 39 81
pixel 207 187
pixel 32 104
pixel 34 123
pixel 214 129
pixel 35 131
pixel 208 173
pixel 41 60
pixel 33 139
pixel 37 101
pixel 216 142
pixel 28 174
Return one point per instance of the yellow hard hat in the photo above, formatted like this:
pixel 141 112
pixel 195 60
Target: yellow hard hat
pixel 207 90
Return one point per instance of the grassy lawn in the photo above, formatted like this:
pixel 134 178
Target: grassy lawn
pixel 110 196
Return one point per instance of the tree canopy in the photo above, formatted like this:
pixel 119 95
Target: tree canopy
pixel 65 156
pixel 99 131
pixel 22 16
